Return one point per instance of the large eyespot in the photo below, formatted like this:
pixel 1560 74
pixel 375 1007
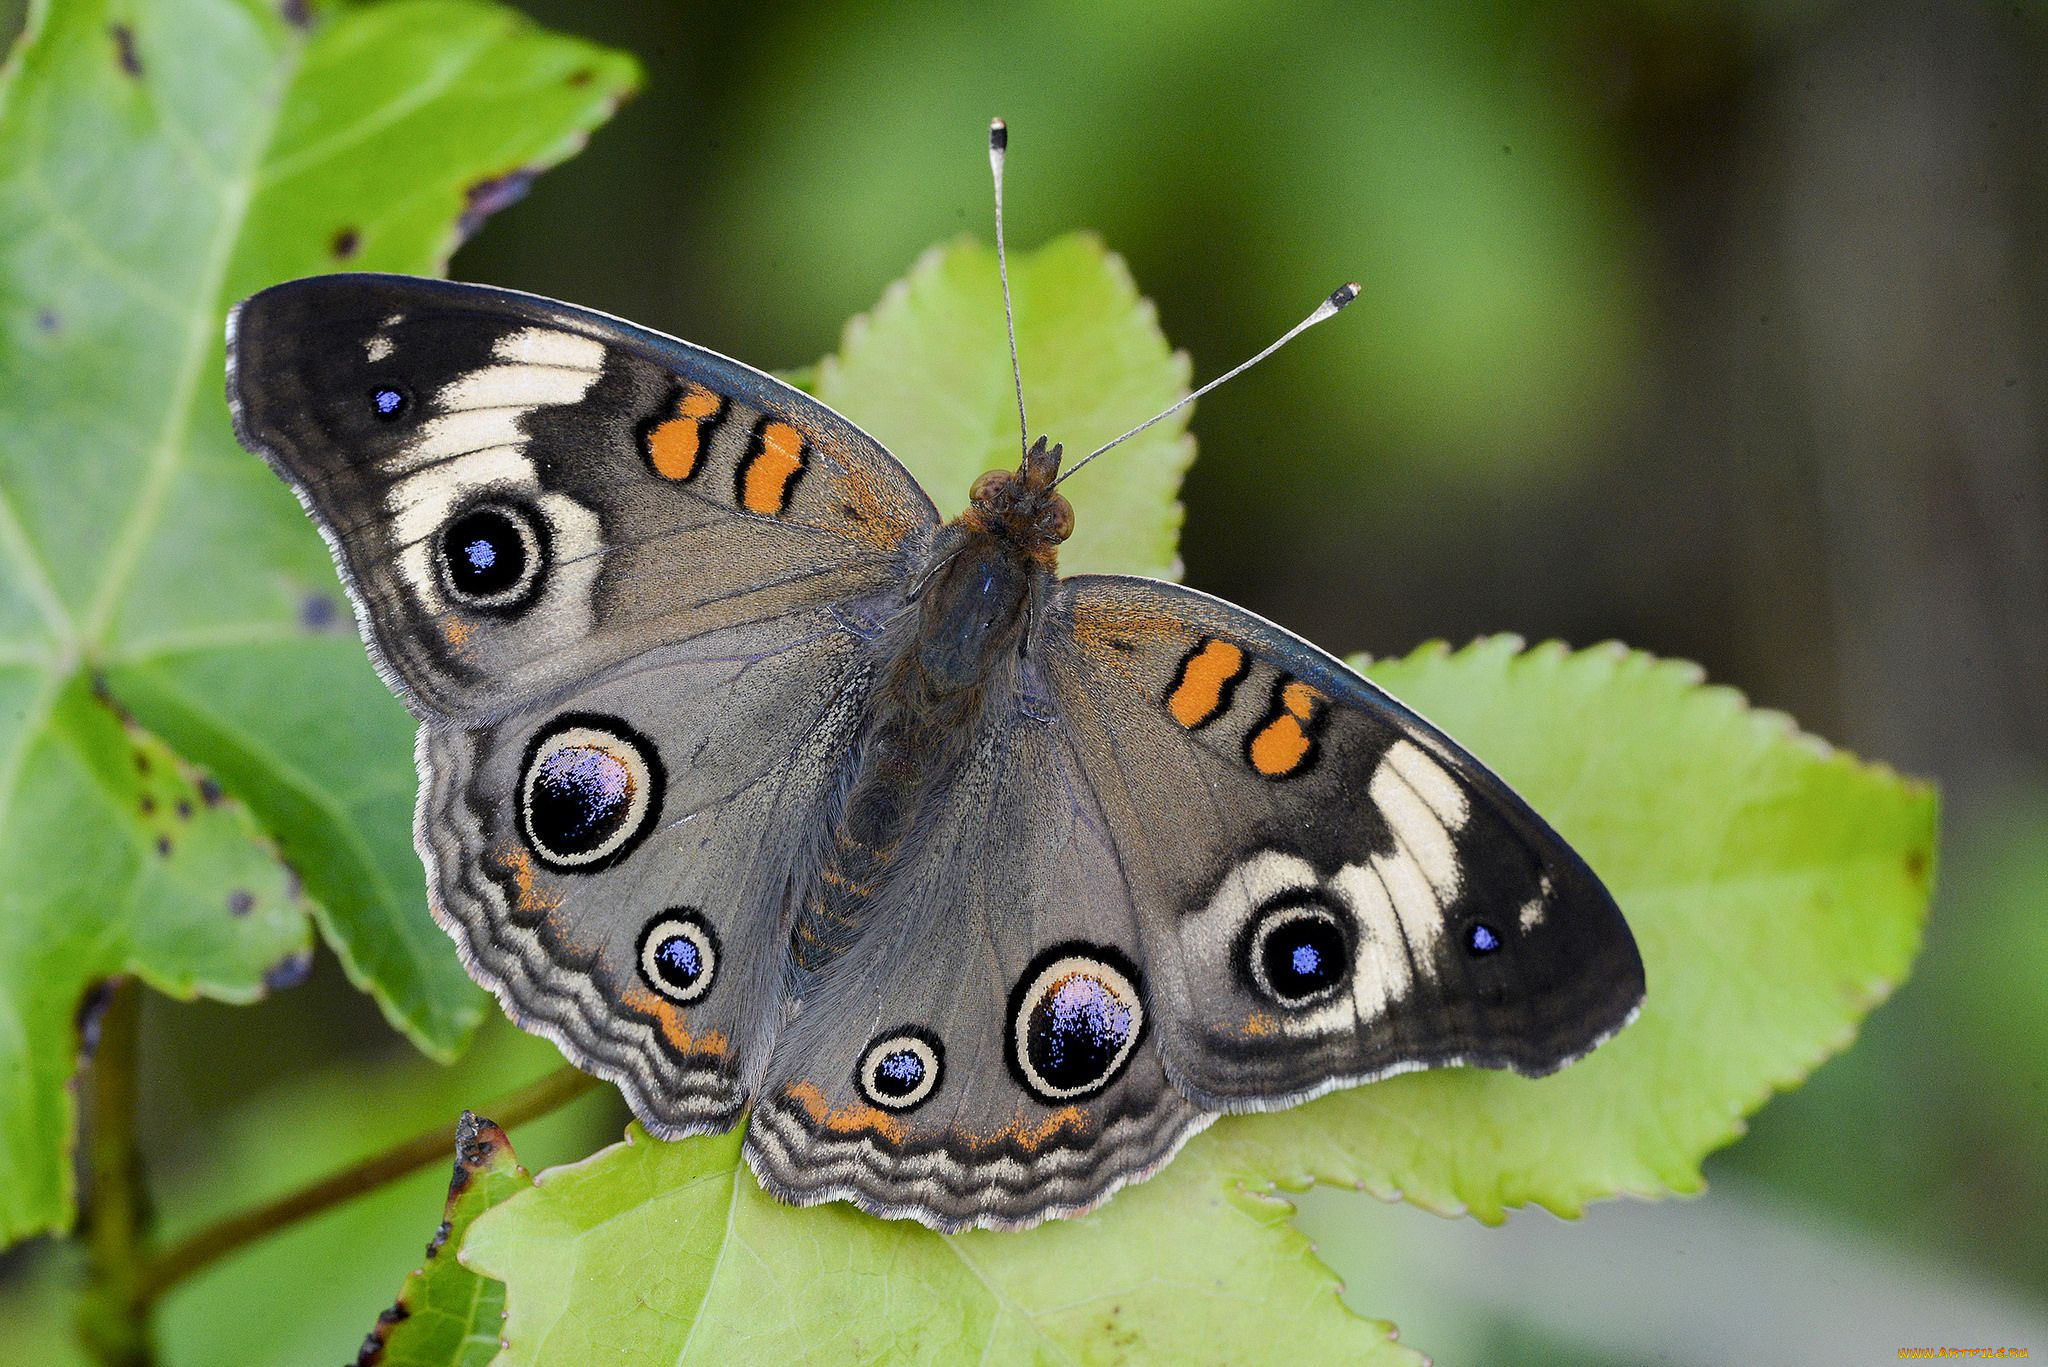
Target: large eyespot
pixel 901 1069
pixel 491 556
pixel 1297 952
pixel 589 791
pixel 1075 1020
pixel 679 955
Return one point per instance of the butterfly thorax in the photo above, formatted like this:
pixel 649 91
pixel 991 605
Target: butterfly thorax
pixel 957 657
pixel 988 566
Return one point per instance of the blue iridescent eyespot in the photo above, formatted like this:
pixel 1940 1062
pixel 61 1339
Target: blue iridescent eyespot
pixel 679 955
pixel 901 1069
pixel 387 402
pixel 1298 952
pixel 492 557
pixel 1481 939
pixel 589 791
pixel 1075 1020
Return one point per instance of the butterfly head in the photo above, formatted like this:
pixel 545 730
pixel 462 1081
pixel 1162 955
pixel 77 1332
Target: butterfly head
pixel 1022 505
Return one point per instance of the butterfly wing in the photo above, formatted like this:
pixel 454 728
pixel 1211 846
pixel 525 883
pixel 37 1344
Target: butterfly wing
pixel 629 586
pixel 1332 890
pixel 617 865
pixel 983 1053
pixel 520 493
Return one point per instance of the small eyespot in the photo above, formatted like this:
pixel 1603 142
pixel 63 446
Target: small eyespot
pixel 388 402
pixel 901 1070
pixel 492 557
pixel 679 955
pixel 589 790
pixel 1298 952
pixel 1481 940
pixel 1075 1020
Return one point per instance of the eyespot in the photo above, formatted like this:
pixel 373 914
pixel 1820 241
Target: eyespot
pixel 491 557
pixel 1298 952
pixel 1481 939
pixel 1075 1020
pixel 679 955
pixel 589 791
pixel 901 1069
pixel 388 402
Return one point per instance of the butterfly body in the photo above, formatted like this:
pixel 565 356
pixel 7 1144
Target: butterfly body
pixel 760 789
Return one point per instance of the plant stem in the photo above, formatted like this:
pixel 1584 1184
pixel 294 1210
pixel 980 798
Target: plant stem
pixel 113 1319
pixel 204 1247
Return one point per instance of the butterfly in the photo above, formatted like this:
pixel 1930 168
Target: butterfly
pixel 759 787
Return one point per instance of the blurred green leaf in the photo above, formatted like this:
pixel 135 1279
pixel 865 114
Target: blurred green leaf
pixel 447 1315
pixel 304 1128
pixel 1776 887
pixel 1459 161
pixel 927 372
pixel 157 162
pixel 1185 1268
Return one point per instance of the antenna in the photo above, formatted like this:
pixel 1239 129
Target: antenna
pixel 1339 297
pixel 998 144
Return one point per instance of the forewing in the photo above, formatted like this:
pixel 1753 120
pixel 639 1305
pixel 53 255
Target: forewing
pixel 1330 889
pixel 521 493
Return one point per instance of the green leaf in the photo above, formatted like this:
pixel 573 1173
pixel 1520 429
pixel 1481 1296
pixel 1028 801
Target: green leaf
pixel 447 1315
pixel 670 1253
pixel 1777 889
pixel 159 161
pixel 114 858
pixel 927 373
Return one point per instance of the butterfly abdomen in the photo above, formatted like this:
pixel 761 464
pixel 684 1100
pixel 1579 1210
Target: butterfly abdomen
pixel 940 679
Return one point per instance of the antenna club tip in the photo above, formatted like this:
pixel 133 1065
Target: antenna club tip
pixel 1343 295
pixel 998 135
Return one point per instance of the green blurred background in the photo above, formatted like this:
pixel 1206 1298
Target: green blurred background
pixel 1715 327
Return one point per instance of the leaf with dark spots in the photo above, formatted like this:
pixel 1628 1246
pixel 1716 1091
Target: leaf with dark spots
pixel 92 1009
pixel 124 50
pixel 317 612
pixel 287 972
pixel 241 902
pixel 379 1338
pixel 486 197
pixel 345 245
pixel 140 544
pixel 447 1315
pixel 92 886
